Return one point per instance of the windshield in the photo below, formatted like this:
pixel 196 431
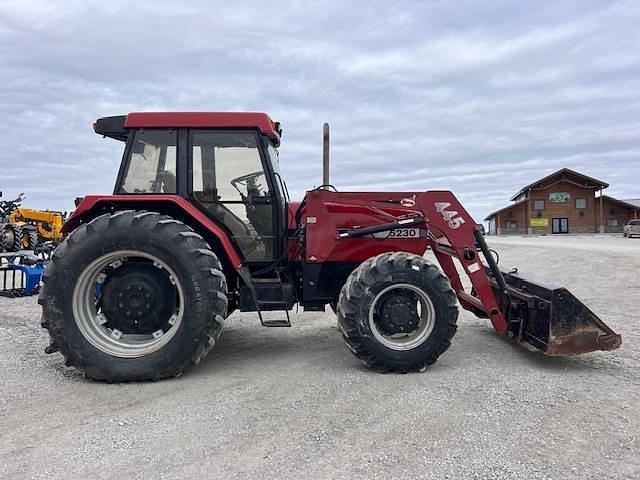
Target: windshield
pixel 274 159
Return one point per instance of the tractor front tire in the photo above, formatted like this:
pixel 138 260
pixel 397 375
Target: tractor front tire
pixel 397 313
pixel 30 237
pixel 133 296
pixel 13 237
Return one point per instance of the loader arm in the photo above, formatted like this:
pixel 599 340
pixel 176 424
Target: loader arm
pixel 454 234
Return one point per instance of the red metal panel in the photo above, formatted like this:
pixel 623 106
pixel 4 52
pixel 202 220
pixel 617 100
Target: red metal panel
pixel 327 212
pixel 451 231
pixel 292 208
pixel 261 121
pixel 91 202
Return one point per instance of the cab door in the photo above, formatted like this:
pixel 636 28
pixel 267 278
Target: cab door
pixel 230 182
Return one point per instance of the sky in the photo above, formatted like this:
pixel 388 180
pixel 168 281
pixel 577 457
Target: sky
pixel 479 97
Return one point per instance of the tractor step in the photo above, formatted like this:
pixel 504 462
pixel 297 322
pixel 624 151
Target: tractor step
pixel 271 295
pixel 266 321
pixel 276 323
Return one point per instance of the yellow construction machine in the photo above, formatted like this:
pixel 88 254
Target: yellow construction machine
pixel 48 223
pixel 25 228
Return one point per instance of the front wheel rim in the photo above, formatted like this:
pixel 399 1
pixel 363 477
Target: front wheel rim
pixel 97 329
pixel 408 340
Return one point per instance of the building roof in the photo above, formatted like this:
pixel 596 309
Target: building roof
pixel 586 179
pixel 504 209
pixel 632 203
pixel 624 203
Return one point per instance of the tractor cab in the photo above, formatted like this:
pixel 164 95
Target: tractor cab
pixel 226 164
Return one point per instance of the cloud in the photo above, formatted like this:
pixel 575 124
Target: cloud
pixel 480 97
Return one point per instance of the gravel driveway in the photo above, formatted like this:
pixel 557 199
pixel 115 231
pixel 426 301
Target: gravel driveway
pixel 295 404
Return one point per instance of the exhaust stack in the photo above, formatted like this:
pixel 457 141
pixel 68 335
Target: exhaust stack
pixel 325 154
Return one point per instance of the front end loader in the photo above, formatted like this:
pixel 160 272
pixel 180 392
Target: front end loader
pixel 543 318
pixel 200 225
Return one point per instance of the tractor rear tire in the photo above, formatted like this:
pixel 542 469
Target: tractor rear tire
pixel 146 250
pixel 13 237
pixel 3 241
pixel 30 237
pixel 406 289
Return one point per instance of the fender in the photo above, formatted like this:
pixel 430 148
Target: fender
pixel 92 206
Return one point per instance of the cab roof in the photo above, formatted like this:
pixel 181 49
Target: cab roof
pixel 116 127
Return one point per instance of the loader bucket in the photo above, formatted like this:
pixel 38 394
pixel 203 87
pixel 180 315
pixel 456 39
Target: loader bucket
pixel 550 319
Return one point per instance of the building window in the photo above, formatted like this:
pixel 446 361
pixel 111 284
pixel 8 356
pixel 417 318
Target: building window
pixel 581 203
pixel 538 204
pixel 511 225
pixel 612 222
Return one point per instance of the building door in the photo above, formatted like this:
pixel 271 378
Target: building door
pixel 560 225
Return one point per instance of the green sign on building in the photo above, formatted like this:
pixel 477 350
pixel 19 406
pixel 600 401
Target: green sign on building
pixel 539 222
pixel 559 197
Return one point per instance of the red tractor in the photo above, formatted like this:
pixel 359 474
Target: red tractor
pixel 200 225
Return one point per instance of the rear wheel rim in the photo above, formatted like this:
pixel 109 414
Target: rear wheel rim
pixel 99 330
pixel 425 317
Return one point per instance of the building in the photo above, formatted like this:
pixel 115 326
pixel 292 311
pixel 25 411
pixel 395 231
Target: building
pixel 617 213
pixel 633 201
pixel 563 202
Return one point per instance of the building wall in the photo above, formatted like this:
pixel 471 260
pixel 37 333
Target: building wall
pixel 614 211
pixel 513 221
pixel 580 220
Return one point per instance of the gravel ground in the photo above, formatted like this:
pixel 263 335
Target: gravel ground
pixel 294 403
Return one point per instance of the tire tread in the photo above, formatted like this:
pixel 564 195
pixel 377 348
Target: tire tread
pixel 358 337
pixel 186 239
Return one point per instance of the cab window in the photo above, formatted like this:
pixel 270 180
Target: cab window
pixel 151 166
pixel 229 181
